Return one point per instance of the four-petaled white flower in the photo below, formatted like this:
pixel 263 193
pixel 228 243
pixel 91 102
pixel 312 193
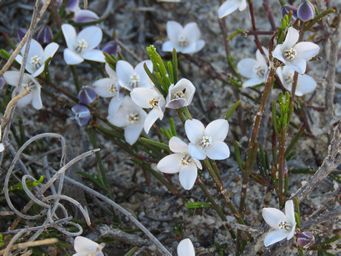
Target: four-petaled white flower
pixel 130 77
pixel 180 162
pixel 186 248
pixel 305 84
pixel 86 247
pixel 37 56
pixel 230 6
pixel 283 224
pixel 28 82
pixel 183 39
pixel 209 141
pixel 82 46
pixel 254 69
pixel 152 99
pixel 295 54
pixel 180 95
pixel 107 87
pixel 128 116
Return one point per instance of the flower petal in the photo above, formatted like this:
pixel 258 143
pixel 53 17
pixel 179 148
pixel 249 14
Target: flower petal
pixel 24 101
pixel 188 176
pixel 83 244
pixel 114 105
pixel 277 53
pixel 192 32
pixel 70 35
pixel 305 84
pixel 177 145
pixel 36 98
pixel 83 16
pixel 306 50
pixel 246 67
pixel 196 152
pixel 273 217
pixel 252 82
pixel 299 65
pixel 94 55
pixel 170 163
pixel 291 38
pixel 12 77
pixel 185 248
pixel 50 50
pixel 228 7
pixel 132 133
pixel 142 96
pixel 151 118
pixel 290 212
pixel 168 46
pixel 124 72
pixel 144 78
pixel 217 129
pixel 72 58
pixel 194 130
pixel 92 35
pixel 199 45
pixel 218 151
pixel 174 29
pixel 274 237
pixel 103 88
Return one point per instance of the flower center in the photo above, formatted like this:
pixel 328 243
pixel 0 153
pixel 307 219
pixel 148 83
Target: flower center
pixel 112 89
pixel 205 141
pixel 154 102
pixel 134 81
pixel 133 118
pixel 183 42
pixel 260 71
pixel 36 61
pixel 186 160
pixel 290 54
pixel 284 225
pixel 288 79
pixel 180 94
pixel 81 46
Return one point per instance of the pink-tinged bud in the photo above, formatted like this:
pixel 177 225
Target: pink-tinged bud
pixel 306 11
pixel 44 35
pixel 84 16
pixel 81 114
pixel 87 95
pixel 21 33
pixel 111 48
pixel 305 239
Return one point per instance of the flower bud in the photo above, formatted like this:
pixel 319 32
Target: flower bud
pixel 81 114
pixel 21 33
pixel 44 35
pixel 111 48
pixel 305 239
pixel 286 9
pixel 84 16
pixel 306 11
pixel 87 95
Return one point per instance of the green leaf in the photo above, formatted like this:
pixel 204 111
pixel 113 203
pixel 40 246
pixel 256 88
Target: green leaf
pixel 197 205
pixel 4 54
pixel 231 110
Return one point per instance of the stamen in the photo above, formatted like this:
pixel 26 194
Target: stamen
pixel 290 54
pixel 205 142
pixel 154 103
pixel 180 94
pixel 81 46
pixel 133 118
pixel 186 160
pixel 288 79
pixel 112 89
pixel 36 62
pixel 284 225
pixel 183 42
pixel 260 71
pixel 134 81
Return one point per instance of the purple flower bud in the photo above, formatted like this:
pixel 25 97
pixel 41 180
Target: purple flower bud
pixel 44 35
pixel 21 33
pixel 87 95
pixel 2 82
pixel 81 114
pixel 305 239
pixel 286 9
pixel 72 5
pixel 111 48
pixel 83 16
pixel 306 11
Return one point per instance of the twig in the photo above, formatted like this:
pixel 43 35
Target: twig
pixel 26 245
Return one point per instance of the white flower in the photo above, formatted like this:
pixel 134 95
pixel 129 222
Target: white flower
pixel 85 247
pixel 152 99
pixel 107 87
pixel 180 95
pixel 2 147
pixel 183 39
pixel 283 225
pixel 230 6
pixel 305 84
pixel 185 248
pixel 128 116
pixel 82 46
pixel 37 56
pixel 209 141
pixel 254 69
pixel 130 78
pixel 180 162
pixel 12 78
pixel 295 54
